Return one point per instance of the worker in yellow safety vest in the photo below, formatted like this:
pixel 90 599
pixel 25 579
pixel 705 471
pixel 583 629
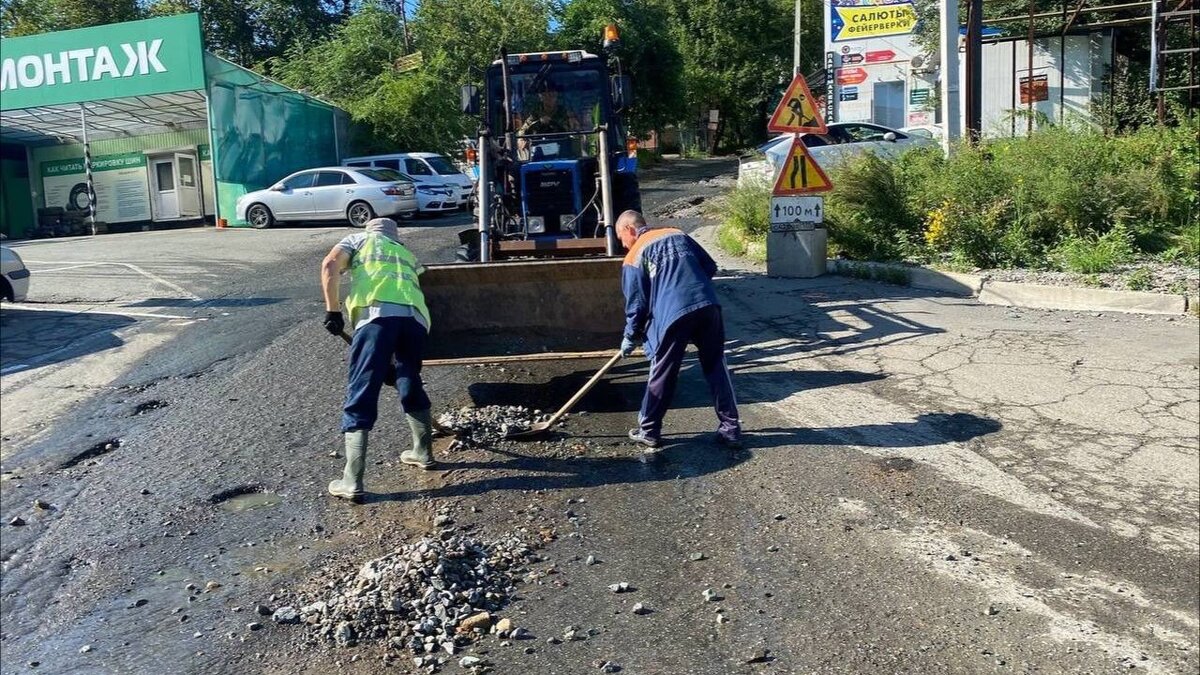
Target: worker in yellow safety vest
pixel 391 325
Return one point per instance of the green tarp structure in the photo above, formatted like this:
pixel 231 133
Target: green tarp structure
pixel 139 88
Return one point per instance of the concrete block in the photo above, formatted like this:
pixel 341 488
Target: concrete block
pixel 799 255
pixel 1079 299
pixel 954 283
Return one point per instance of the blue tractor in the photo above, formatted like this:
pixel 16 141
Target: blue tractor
pixel 555 162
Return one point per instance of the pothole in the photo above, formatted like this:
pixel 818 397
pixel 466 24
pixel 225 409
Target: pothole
pixel 245 498
pixel 148 406
pixel 894 464
pixel 101 448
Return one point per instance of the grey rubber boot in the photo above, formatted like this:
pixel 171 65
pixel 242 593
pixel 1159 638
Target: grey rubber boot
pixel 421 454
pixel 350 485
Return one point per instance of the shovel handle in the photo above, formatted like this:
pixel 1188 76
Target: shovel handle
pixel 583 390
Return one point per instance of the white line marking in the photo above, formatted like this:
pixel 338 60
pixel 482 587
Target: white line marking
pixel 68 267
pixel 153 277
pixel 145 315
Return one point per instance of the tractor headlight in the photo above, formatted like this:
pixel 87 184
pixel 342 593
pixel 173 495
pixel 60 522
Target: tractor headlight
pixel 536 224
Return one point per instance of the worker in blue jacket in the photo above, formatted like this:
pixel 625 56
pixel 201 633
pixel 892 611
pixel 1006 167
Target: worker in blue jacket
pixel 670 302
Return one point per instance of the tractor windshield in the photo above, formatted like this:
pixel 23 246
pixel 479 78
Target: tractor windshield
pixel 551 98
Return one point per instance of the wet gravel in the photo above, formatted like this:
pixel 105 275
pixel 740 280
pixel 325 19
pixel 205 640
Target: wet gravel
pixel 429 597
pixel 488 425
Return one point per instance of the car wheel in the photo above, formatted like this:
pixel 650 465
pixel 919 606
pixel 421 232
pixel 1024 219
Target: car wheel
pixel 6 290
pixel 259 216
pixel 358 213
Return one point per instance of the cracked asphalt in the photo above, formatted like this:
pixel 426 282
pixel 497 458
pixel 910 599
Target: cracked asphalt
pixel 930 485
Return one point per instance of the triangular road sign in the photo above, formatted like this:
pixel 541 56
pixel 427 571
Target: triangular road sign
pixel 800 173
pixel 798 111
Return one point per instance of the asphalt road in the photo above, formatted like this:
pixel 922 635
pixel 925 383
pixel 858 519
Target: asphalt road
pixel 930 485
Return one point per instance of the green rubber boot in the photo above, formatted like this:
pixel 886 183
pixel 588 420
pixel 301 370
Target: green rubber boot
pixel 421 454
pixel 350 485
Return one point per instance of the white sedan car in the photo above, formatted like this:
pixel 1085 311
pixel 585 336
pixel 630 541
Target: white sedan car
pixel 330 193
pixel 843 141
pixel 14 276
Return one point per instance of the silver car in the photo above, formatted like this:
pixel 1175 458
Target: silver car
pixel 330 193
pixel 844 141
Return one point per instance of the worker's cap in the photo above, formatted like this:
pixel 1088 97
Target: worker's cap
pixel 385 226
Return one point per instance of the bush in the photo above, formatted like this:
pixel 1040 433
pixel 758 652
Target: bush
pixel 1141 279
pixel 744 220
pixel 866 214
pixel 1062 198
pixel 1094 255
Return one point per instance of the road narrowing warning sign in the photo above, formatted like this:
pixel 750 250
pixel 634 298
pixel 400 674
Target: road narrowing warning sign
pixel 797 112
pixel 800 173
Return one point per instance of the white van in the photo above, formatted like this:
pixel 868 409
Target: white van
pixel 426 168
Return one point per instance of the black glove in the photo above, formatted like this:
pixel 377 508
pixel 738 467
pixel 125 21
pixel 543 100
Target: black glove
pixel 334 323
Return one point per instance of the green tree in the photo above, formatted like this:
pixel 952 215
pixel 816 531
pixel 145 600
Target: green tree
pixel 356 68
pixel 648 53
pixel 736 58
pixel 28 17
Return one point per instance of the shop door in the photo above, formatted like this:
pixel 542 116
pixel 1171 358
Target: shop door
pixel 889 104
pixel 166 197
pixel 187 185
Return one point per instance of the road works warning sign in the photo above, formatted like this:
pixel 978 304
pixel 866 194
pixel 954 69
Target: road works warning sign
pixel 870 21
pixel 797 112
pixel 800 173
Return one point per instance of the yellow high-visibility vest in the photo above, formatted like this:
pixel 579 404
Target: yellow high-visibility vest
pixel 385 271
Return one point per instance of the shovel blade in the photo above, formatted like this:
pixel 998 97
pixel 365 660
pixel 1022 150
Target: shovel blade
pixel 535 430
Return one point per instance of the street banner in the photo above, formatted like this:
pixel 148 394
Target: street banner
pixel 871 21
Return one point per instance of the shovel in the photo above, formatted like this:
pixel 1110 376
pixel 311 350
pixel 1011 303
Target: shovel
pixel 389 378
pixel 542 427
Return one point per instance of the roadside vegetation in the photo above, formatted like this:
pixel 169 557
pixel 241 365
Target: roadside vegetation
pixel 1062 200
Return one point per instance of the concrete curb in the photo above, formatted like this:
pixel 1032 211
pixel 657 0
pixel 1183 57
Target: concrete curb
pixel 1014 294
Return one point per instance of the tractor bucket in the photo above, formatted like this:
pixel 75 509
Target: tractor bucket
pixel 526 307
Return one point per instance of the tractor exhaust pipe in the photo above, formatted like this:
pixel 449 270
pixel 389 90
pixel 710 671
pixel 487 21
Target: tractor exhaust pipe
pixel 606 202
pixel 485 197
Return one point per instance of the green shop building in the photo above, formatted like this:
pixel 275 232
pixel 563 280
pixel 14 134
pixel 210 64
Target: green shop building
pixel 132 124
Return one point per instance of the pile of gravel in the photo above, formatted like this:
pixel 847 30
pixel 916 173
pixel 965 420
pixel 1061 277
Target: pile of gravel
pixel 481 427
pixel 427 597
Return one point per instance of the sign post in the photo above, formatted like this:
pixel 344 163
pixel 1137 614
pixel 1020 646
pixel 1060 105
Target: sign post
pixel 797 242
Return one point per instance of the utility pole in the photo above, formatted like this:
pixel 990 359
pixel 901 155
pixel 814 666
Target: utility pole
pixel 404 25
pixel 951 123
pixel 974 70
pixel 796 42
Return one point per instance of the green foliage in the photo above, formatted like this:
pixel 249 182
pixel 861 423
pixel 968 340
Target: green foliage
pixel 1141 279
pixel 29 17
pixel 647 52
pixel 744 220
pixel 866 215
pixel 1063 198
pixel 1095 254
pixel 888 274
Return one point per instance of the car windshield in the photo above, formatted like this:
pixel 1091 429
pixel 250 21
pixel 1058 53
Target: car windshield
pixel 442 166
pixel 386 175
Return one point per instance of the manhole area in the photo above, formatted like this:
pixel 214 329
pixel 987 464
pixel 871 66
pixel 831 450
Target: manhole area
pixel 96 450
pixel 245 498
pixel 148 406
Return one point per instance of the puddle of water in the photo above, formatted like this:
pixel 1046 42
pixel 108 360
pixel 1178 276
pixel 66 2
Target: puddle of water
pixel 251 501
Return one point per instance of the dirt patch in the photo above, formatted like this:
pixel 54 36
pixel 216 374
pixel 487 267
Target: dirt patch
pixel 148 406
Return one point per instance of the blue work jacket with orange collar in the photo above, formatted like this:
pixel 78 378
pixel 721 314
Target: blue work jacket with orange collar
pixel 665 276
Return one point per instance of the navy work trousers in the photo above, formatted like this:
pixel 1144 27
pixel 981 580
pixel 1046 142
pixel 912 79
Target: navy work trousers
pixel 705 329
pixel 371 352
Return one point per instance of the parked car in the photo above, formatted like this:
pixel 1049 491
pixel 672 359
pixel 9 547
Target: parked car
pixel 431 197
pixel 330 193
pixel 933 131
pixel 843 141
pixel 14 276
pixel 425 168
